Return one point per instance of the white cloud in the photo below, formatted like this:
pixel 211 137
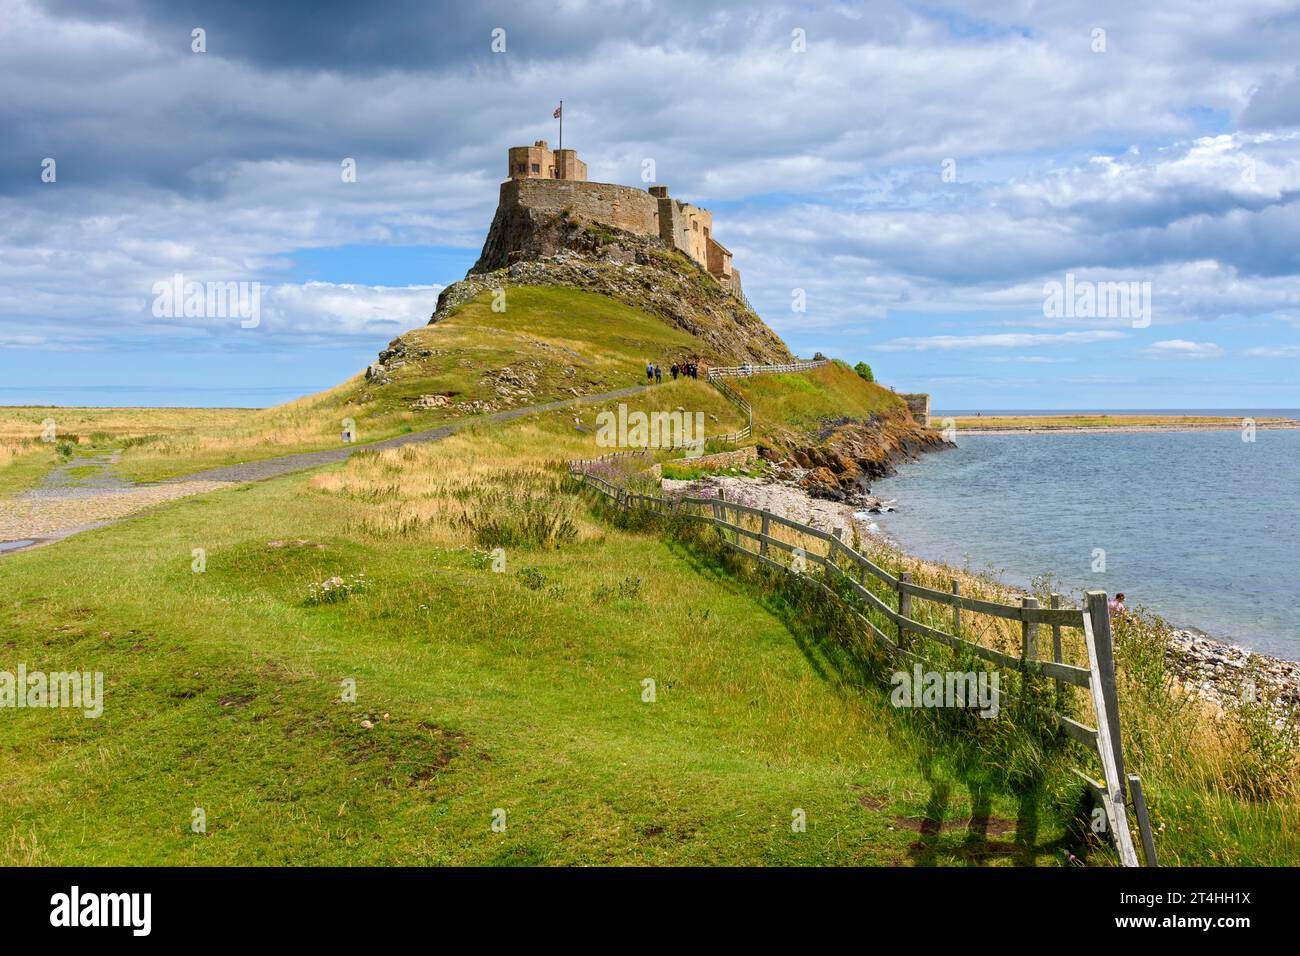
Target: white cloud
pixel 1274 351
pixel 324 308
pixel 1183 348
pixel 1008 340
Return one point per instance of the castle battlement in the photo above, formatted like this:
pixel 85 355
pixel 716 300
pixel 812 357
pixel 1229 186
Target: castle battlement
pixel 551 181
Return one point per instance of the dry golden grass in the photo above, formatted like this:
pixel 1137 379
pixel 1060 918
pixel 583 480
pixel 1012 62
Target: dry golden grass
pixel 34 439
pixel 437 493
pixel 106 425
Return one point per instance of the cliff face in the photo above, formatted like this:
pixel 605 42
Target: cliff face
pixel 527 246
pixel 841 461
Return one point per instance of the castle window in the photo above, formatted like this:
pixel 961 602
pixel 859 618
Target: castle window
pixel 706 232
pixel 523 167
pixel 695 224
pixel 536 168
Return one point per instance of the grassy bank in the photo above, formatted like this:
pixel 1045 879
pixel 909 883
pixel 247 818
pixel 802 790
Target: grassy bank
pixel 500 630
pixel 807 401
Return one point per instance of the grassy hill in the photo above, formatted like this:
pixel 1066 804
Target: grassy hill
pixel 550 343
pixel 808 400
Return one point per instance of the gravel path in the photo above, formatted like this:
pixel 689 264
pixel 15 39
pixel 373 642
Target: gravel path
pixel 68 502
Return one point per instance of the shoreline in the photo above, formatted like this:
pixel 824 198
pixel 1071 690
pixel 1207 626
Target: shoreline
pixel 1204 666
pixel 973 426
pixel 1114 429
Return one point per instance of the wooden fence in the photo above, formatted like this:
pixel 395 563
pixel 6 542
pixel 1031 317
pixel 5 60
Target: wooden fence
pixel 741 371
pixel 894 599
pixel 717 378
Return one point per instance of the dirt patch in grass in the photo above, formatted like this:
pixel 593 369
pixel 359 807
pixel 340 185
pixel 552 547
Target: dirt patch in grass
pixel 872 802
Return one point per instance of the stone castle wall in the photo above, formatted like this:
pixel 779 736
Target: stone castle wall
pixel 679 224
pixel 622 207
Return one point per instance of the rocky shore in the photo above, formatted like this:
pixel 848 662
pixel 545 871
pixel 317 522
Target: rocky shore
pixel 1225 674
pixel 1208 669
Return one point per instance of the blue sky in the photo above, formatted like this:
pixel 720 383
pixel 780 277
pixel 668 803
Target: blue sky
pixel 920 173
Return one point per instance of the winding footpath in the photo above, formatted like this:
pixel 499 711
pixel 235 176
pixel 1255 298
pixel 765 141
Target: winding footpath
pixel 66 504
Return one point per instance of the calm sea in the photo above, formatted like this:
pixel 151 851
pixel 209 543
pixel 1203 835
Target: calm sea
pixel 1201 527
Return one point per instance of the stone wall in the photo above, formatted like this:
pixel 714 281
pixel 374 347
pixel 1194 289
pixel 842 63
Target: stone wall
pixel 622 207
pixel 919 405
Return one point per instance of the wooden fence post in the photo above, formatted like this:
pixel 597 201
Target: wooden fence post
pixel 767 525
pixel 1055 602
pixel 1099 612
pixel 904 605
pixel 1101 662
pixel 1029 632
pixel 1144 820
pixel 956 609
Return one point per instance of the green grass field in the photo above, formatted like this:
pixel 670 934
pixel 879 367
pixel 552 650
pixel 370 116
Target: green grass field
pixel 519 690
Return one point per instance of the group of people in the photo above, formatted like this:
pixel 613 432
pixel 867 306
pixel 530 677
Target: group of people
pixel 689 368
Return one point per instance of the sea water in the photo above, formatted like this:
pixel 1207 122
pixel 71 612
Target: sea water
pixel 1199 526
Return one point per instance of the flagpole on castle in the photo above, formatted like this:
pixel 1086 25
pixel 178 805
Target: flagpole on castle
pixel 561 112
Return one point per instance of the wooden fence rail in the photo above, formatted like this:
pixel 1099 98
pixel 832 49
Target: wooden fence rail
pixel 746 370
pixel 854 572
pixel 717 378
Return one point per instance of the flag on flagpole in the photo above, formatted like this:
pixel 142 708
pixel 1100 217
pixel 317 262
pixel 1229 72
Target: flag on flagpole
pixel 558 112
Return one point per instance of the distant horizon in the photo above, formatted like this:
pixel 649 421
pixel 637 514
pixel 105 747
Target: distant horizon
pixel 288 393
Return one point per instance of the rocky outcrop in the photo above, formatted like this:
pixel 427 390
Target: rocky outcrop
pixel 527 248
pixel 392 358
pixel 840 462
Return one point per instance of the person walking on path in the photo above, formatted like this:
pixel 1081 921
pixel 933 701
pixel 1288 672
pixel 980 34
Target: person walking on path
pixel 659 374
pixel 674 371
pixel 649 372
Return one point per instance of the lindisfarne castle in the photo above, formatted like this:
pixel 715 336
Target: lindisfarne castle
pixel 546 183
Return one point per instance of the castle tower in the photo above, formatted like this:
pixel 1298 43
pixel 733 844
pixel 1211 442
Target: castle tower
pixel 539 161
